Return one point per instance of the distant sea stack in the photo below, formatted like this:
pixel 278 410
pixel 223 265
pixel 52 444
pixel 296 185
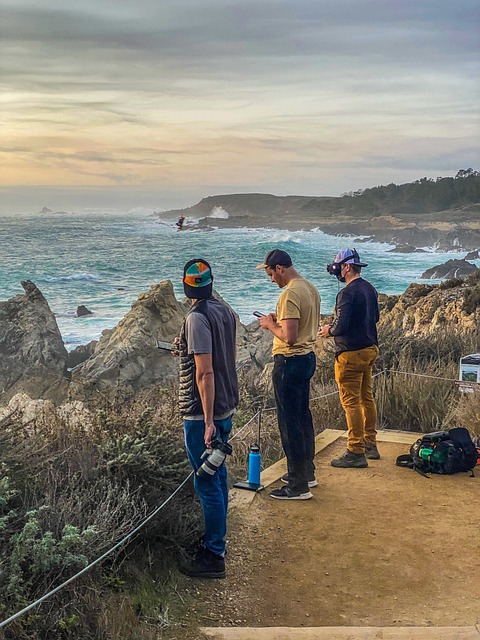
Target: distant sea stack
pixel 450 269
pixel 83 311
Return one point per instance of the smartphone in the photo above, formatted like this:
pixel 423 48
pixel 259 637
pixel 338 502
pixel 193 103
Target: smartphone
pixel 258 314
pixel 168 346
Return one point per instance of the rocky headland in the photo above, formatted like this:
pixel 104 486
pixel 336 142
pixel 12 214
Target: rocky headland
pixel 444 214
pixel 35 361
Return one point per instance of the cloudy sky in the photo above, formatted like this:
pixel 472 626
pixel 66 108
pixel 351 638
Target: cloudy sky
pixel 158 103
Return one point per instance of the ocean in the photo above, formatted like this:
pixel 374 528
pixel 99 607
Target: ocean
pixel 104 261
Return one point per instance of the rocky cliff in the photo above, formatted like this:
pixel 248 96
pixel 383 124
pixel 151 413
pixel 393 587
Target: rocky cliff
pixel 32 354
pixel 450 269
pixel 423 308
pixel 127 355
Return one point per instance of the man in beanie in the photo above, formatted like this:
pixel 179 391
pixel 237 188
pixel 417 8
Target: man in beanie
pixel 355 333
pixel 294 326
pixel 208 395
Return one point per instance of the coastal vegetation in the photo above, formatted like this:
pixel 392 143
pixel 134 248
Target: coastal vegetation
pixel 420 197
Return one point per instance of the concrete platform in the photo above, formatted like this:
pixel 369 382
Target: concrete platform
pixel 342 633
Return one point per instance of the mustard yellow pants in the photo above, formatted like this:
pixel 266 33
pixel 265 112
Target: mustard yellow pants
pixel 353 375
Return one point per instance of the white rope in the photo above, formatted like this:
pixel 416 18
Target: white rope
pixel 422 375
pixel 237 433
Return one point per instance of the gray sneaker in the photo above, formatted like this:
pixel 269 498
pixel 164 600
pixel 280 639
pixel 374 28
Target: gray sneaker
pixel 350 460
pixel 311 483
pixel 371 452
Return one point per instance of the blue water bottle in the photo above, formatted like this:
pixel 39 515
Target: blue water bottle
pixel 254 463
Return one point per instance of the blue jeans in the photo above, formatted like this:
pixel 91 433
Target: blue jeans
pixel 212 491
pixel 291 382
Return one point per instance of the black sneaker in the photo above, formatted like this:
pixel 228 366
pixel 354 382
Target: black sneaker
pixel 284 493
pixel 205 565
pixel 350 460
pixel 371 452
pixel 311 483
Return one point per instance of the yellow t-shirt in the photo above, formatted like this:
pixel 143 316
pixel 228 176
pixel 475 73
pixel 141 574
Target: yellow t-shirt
pixel 299 300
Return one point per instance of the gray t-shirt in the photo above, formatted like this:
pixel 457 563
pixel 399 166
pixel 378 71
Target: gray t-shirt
pixel 198 334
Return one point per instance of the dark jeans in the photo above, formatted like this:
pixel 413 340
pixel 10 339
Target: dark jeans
pixel 291 382
pixel 211 490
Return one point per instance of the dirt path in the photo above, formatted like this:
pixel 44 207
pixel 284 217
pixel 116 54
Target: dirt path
pixel 375 547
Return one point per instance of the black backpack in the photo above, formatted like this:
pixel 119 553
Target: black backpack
pixel 443 452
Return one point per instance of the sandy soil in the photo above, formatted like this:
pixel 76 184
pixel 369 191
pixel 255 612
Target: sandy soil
pixel 381 546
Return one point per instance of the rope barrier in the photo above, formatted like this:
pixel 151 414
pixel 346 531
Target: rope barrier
pixel 422 375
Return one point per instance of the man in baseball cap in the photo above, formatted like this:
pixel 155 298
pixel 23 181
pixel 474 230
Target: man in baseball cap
pixel 208 395
pixel 356 350
pixel 294 327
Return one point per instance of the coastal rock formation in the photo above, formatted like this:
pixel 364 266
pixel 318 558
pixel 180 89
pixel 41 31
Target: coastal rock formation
pixel 399 214
pixel 472 255
pixel 426 308
pixel 83 311
pixel 32 352
pixel 450 269
pixel 405 248
pixel 23 409
pixel 80 354
pixel 127 355
pixel 35 361
pixel 254 346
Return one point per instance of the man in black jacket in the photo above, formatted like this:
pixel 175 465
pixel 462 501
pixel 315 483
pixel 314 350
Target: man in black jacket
pixel 355 333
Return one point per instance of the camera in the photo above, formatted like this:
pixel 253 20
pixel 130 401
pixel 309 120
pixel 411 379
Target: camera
pixel 215 457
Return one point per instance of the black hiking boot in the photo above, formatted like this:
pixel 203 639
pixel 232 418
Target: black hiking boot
pixel 371 452
pixel 350 460
pixel 205 564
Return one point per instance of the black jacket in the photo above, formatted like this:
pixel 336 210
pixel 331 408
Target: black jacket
pixel 356 316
